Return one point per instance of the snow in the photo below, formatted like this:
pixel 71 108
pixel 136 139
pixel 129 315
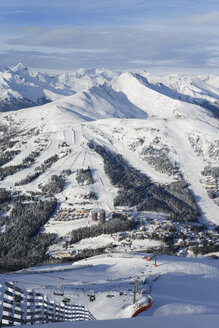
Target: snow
pixel 190 164
pixel 152 102
pixel 180 286
pixel 35 86
pixel 64 228
pixel 95 242
pixel 138 244
pixel 115 115
pixel 116 110
pixel 197 87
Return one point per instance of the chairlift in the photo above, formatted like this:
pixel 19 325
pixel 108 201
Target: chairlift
pixel 91 295
pixel 66 300
pixel 92 298
pixel 90 292
pixel 59 290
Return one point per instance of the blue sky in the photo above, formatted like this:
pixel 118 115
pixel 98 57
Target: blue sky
pixel 160 36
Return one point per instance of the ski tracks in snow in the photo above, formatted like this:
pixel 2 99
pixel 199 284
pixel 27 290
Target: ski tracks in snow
pixel 191 167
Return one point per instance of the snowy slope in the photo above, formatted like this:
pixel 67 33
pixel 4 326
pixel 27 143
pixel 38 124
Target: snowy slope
pixel 150 121
pixel 200 86
pixel 202 89
pixel 20 87
pixel 179 287
pixel 153 102
pixel 119 135
pixel 117 114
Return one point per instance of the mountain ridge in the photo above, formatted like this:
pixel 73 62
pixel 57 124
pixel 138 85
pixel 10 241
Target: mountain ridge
pixel 21 88
pixel 113 144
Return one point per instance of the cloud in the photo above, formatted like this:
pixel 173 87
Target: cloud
pixel 136 41
pixel 116 34
pixel 213 62
pixel 72 13
pixel 55 13
pixel 120 39
pixel 113 48
pixel 209 18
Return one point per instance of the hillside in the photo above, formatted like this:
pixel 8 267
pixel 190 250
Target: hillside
pixel 130 142
pixel 180 287
pixel 21 88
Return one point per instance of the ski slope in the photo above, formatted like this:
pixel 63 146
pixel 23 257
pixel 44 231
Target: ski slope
pixel 126 113
pixel 183 287
pixel 116 117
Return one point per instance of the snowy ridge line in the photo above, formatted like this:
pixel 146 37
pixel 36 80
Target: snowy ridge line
pixel 156 277
pixel 78 267
pixel 149 282
pixel 20 306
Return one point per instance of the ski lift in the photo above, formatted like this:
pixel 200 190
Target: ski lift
pixel 66 300
pixel 91 295
pixel 59 290
pixel 92 298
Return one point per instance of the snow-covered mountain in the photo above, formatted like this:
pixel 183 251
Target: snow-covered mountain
pixel 135 145
pixel 155 123
pixel 109 140
pixel 202 89
pixel 21 88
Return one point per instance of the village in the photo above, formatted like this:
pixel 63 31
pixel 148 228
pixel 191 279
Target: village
pixel 212 186
pixel 154 233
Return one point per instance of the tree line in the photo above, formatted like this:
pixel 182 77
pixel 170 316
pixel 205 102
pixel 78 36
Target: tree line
pixel 22 244
pixel 109 227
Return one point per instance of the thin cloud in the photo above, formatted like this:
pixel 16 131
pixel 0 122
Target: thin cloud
pixel 137 40
pixel 210 18
pixel 116 34
pixel 113 48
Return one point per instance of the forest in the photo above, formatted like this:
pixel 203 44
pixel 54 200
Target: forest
pixel 136 189
pixel 22 244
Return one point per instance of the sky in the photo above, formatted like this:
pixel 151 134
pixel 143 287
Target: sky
pixel 158 36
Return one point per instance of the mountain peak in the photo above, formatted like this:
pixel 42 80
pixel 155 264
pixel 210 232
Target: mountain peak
pixel 19 67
